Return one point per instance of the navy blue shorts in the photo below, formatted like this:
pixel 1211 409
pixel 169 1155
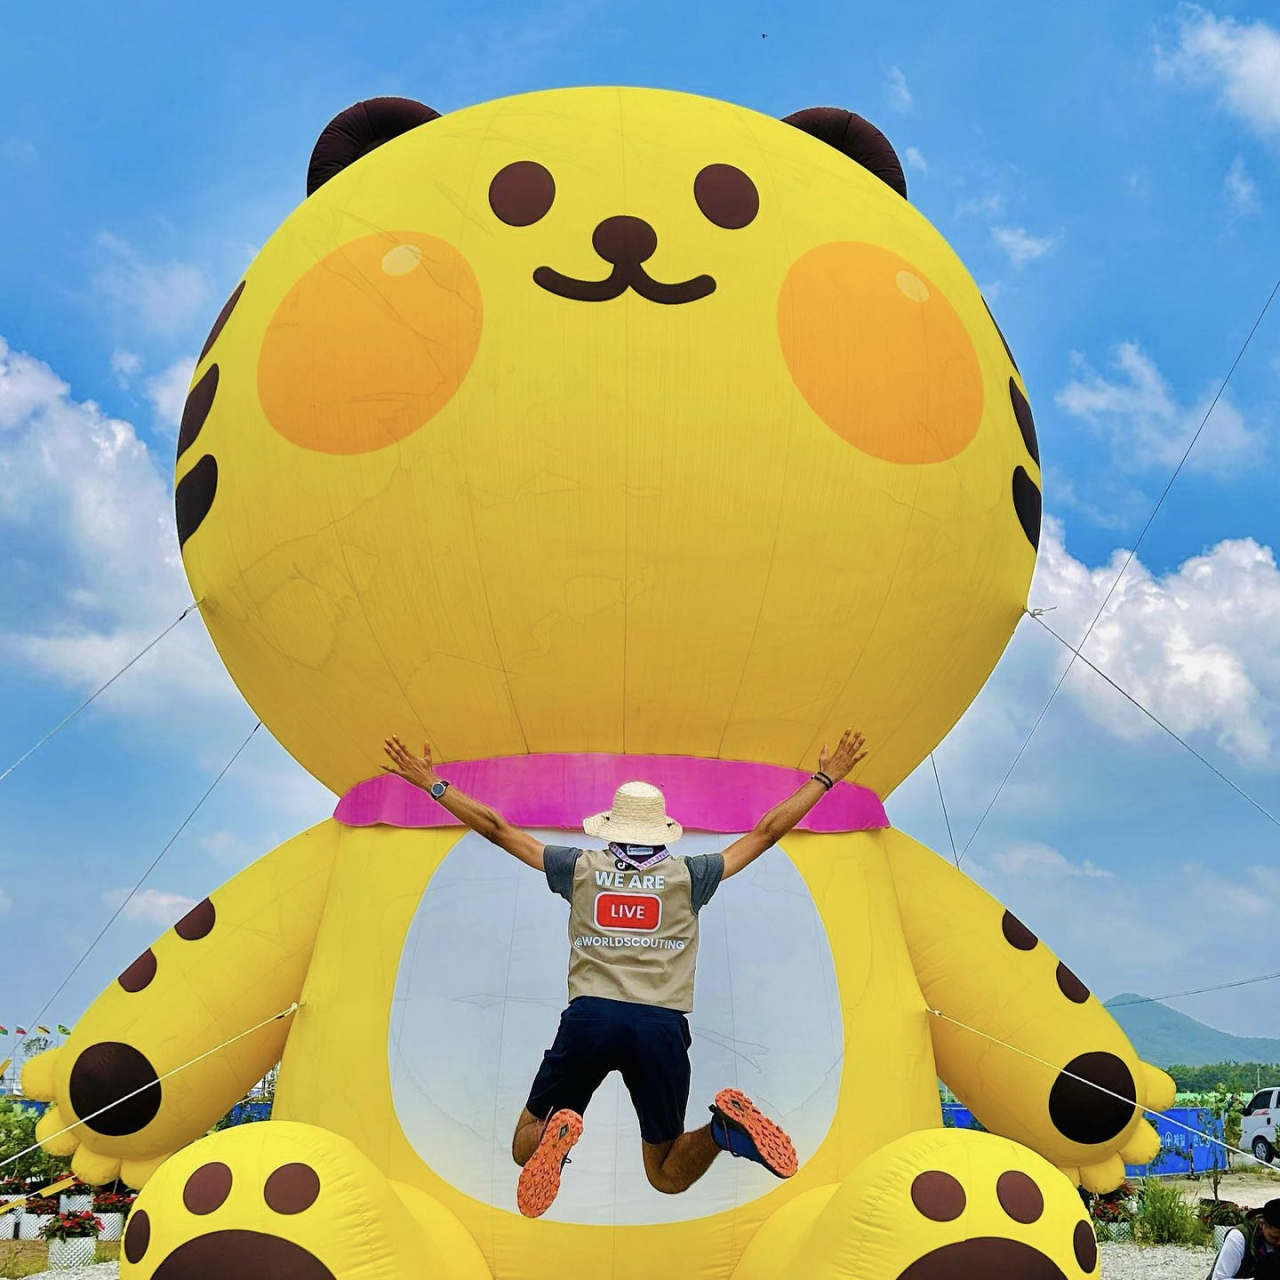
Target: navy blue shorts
pixel 647 1044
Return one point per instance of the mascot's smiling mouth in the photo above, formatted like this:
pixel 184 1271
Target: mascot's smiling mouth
pixel 627 243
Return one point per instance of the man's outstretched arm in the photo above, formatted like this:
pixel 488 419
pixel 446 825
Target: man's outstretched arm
pixel 779 820
pixel 469 811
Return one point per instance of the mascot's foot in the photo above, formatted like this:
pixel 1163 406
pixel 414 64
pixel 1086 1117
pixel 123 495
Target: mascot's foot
pixel 742 1129
pixel 935 1205
pixel 540 1178
pixel 276 1199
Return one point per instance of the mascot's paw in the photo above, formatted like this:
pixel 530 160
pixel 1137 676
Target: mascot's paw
pixel 939 1204
pixel 275 1199
pixel 60 1135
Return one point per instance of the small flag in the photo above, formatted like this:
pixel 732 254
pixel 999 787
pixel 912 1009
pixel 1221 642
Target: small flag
pixel 4 1031
pixel 22 1031
pixel 4 1066
pixel 44 1031
pixel 63 1031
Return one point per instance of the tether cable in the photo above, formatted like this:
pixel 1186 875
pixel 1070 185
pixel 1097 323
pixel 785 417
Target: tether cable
pixel 1195 991
pixel 66 720
pixel 1130 1102
pixel 1036 616
pixel 1266 306
pixel 155 862
pixel 153 1084
pixel 945 815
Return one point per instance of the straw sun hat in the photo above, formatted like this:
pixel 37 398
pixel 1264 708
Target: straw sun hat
pixel 638 816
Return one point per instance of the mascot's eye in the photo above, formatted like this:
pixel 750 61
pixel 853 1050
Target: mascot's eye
pixel 726 196
pixel 522 193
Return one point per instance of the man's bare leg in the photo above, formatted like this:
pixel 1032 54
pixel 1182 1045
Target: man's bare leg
pixel 525 1141
pixel 673 1167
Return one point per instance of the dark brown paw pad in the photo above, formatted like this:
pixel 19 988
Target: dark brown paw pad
pixel 118 1081
pixel 1093 1099
pixel 984 1256
pixel 246 1255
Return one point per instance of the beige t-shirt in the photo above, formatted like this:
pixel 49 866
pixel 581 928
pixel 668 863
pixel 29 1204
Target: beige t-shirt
pixel 633 935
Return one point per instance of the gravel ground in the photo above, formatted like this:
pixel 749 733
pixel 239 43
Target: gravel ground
pixel 1154 1262
pixel 99 1271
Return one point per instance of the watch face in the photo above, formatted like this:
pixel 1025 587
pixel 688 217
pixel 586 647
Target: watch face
pixel 438 789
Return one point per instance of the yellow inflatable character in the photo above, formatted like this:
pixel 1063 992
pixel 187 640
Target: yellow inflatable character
pixel 603 434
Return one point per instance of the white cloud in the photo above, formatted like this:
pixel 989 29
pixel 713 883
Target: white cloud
pixel 81 496
pixel 126 365
pixel 1021 246
pixel 1241 189
pixel 898 93
pixel 154 906
pixel 164 298
pixel 1035 859
pixel 167 392
pixel 1147 427
pixel 1198 646
pixel 915 160
pixel 990 205
pixel 1241 60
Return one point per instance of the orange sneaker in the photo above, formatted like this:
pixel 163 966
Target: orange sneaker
pixel 742 1129
pixel 540 1178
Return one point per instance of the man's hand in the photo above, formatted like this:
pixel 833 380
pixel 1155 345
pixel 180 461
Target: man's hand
pixel 847 753
pixel 415 769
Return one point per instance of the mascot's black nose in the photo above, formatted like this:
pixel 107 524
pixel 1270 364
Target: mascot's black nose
pixel 624 240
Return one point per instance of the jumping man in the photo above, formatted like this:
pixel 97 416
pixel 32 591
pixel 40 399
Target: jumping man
pixel 628 1001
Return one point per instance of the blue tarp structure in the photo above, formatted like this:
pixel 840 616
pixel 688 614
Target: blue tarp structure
pixel 1180 1151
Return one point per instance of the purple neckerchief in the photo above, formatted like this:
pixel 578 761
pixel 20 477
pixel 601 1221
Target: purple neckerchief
pixel 623 854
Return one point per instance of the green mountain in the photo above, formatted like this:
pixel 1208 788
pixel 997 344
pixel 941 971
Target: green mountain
pixel 1164 1036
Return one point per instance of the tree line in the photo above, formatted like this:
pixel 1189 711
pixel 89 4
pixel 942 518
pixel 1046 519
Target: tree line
pixel 1235 1077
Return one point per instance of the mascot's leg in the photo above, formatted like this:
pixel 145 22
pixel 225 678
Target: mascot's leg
pixel 937 1204
pixel 285 1199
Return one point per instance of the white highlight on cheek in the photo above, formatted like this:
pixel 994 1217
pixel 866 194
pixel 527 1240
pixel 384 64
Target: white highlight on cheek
pixel 401 260
pixel 912 286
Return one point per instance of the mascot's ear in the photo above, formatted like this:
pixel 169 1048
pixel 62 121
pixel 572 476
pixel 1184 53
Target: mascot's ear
pixel 358 130
pixel 857 138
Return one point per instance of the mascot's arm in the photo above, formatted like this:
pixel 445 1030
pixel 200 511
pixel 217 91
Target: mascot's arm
pixel 1020 1039
pixel 233 961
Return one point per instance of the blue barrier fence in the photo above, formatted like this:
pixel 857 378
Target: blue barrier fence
pixel 1180 1151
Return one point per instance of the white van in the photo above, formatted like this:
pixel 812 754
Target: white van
pixel 1258 1124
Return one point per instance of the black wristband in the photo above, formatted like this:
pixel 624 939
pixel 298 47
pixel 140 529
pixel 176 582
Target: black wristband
pixel 822 778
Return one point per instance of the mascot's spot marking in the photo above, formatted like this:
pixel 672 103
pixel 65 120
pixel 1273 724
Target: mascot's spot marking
pixel 104 1074
pixel 207 1189
pixel 197 923
pixel 1026 502
pixel 1026 423
pixel 1086 1246
pixel 137 977
pixel 1016 934
pixel 1071 986
pixel 1019 1197
pixel 227 308
pixel 1086 1109
pixel 137 1235
pixel 1000 331
pixel 912 286
pixel 938 1196
pixel 292 1188
pixel 196 409
pixel 194 496
pixel 401 260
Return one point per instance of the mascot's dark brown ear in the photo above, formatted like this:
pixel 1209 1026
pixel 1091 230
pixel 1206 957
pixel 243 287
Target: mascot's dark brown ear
pixel 857 138
pixel 358 130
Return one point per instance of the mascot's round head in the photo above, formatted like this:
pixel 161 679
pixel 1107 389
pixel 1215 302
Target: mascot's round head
pixel 607 420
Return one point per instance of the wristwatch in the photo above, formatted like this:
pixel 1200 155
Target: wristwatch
pixel 438 788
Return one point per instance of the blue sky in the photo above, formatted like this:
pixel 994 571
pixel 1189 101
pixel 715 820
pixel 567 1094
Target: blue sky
pixel 1107 171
